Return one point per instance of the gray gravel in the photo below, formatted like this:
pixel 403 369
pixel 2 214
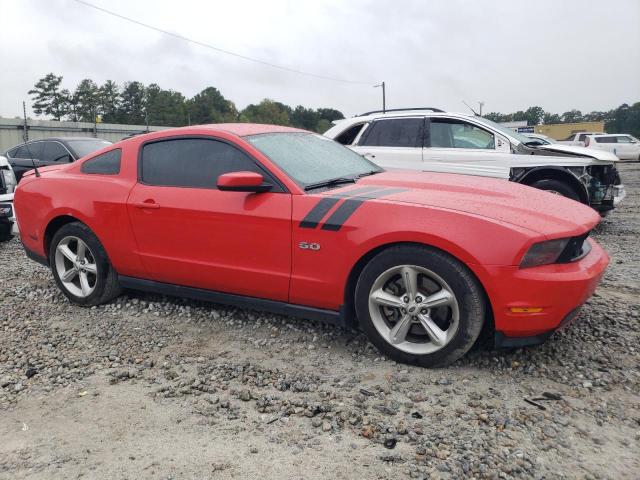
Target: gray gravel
pixel 156 387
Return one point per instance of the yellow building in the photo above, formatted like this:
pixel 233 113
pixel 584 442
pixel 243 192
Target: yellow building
pixel 561 131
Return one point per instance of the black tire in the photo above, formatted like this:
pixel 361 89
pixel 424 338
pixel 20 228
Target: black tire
pixel 557 186
pixel 467 290
pixel 5 232
pixel 106 286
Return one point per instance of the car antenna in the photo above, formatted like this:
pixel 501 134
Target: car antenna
pixel 469 107
pixel 25 137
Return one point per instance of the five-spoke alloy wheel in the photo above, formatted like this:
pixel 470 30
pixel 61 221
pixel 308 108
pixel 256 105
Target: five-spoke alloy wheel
pixel 81 267
pixel 76 266
pixel 414 309
pixel 419 305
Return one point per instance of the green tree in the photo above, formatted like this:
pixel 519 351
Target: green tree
pixel 48 98
pixel 551 118
pixel 323 125
pixel 534 115
pixel 165 107
pixel 498 117
pixel 210 106
pixel 330 114
pixel 109 98
pixel 306 118
pixel 572 116
pixel 131 108
pixel 267 111
pixel 86 99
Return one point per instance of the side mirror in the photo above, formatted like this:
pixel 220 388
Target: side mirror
pixel 242 182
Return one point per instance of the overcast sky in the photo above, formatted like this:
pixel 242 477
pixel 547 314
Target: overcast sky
pixel 510 54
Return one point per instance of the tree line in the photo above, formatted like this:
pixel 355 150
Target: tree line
pixel 138 104
pixel 624 119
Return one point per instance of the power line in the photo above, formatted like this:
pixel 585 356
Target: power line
pixel 217 49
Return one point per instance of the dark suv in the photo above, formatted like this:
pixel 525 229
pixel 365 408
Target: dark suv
pixel 51 151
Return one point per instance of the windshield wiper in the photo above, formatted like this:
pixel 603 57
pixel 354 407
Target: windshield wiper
pixel 366 174
pixel 329 183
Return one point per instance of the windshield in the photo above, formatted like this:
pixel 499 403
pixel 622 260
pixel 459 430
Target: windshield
pixel 310 159
pixel 507 131
pixel 85 147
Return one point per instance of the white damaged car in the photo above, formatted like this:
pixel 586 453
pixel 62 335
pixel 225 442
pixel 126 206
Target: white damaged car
pixel 7 188
pixel 429 139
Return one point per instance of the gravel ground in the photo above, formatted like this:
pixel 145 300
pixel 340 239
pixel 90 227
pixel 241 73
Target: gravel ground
pixel 154 387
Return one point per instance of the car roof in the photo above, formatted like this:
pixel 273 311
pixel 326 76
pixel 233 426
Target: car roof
pixel 241 129
pixel 409 112
pixel 610 134
pixel 65 139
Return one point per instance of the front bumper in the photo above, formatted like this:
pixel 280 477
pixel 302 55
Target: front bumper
pixel 7 214
pixel 533 302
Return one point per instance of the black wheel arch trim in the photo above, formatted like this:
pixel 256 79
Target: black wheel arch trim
pixel 531 175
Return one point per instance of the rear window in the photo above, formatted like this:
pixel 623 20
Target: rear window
pixel 107 163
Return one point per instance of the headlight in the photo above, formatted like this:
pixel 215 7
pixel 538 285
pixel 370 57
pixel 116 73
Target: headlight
pixel 9 179
pixel 544 253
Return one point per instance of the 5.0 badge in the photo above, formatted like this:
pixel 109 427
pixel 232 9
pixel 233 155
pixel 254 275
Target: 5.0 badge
pixel 309 246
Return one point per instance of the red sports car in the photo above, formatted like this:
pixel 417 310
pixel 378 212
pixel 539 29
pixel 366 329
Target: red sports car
pixel 285 220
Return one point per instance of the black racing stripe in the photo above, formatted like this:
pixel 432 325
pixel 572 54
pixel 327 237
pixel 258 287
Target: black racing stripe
pixel 346 209
pixel 317 213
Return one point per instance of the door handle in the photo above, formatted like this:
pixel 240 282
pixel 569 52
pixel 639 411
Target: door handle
pixel 152 205
pixel 369 155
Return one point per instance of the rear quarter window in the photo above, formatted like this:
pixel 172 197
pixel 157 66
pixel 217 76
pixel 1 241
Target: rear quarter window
pixel 107 163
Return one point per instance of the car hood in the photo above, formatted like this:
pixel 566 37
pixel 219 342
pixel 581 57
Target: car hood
pixel 508 202
pixel 580 151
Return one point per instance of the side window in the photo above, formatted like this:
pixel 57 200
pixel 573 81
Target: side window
pixel 581 137
pixel 606 140
pixel 400 132
pixel 192 162
pixel 55 152
pixel 623 139
pixel 452 133
pixel 107 163
pixel 12 153
pixel 30 150
pixel 349 135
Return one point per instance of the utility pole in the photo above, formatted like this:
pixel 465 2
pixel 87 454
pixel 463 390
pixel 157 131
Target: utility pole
pixel 25 135
pixel 384 100
pixel 481 105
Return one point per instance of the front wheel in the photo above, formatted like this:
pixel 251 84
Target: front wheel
pixel 558 187
pixel 81 267
pixel 419 305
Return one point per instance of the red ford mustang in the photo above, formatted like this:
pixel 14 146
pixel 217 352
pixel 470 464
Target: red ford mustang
pixel 285 220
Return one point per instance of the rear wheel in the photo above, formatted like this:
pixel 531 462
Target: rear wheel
pixel 419 305
pixel 81 267
pixel 558 187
